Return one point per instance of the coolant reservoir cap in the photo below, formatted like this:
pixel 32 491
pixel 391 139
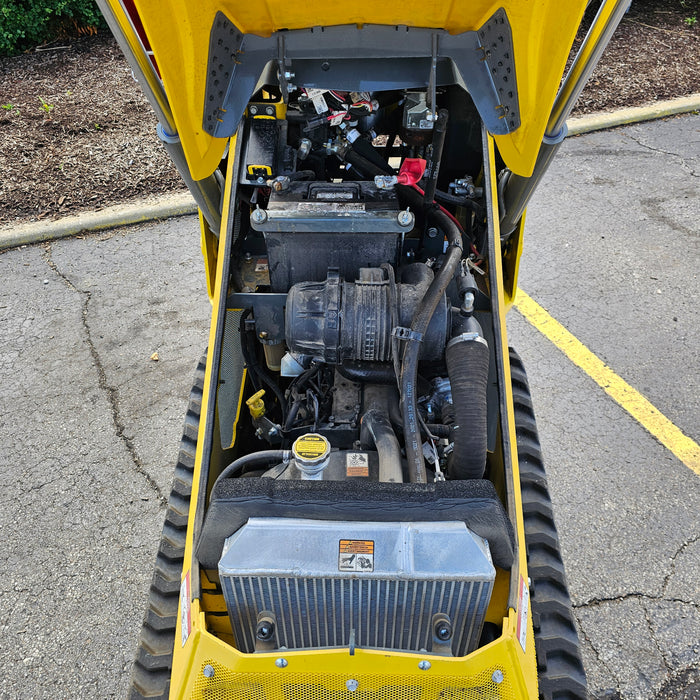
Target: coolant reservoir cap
pixel 311 449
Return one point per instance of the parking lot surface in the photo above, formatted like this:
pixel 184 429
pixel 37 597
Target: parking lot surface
pixel 99 337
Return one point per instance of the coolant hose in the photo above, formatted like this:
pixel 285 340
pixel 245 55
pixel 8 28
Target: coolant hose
pixel 262 457
pixel 467 358
pixel 419 326
pixel 377 426
pixel 367 372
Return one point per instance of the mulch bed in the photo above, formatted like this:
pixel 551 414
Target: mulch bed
pixel 77 134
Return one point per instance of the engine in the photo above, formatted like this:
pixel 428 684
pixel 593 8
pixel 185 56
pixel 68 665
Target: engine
pixel 360 519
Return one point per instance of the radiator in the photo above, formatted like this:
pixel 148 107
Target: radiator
pixel 374 585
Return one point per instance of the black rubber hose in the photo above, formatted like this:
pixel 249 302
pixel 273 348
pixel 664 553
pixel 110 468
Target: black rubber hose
pixel 468 369
pixel 365 149
pixel 364 166
pixel 432 169
pixel 419 326
pixel 367 372
pixel 254 458
pixel 439 430
pixel 377 430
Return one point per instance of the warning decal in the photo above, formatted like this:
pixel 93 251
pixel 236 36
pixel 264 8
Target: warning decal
pixel 185 611
pixel 356 555
pixel 523 604
pixel 357 464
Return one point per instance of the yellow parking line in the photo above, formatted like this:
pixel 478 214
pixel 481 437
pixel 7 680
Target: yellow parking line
pixel 629 398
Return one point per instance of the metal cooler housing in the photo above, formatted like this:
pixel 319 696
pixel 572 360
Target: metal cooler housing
pixel 372 585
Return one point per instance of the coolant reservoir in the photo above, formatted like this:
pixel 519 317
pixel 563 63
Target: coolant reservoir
pixel 311 454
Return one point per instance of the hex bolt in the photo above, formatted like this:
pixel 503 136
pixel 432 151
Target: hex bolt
pixel 281 663
pixel 497 676
pixel 432 232
pixel 424 665
pixel 265 630
pixel 270 111
pixel 405 218
pixel 259 216
pixel 253 109
pixel 443 630
pixel 208 671
pixel 351 684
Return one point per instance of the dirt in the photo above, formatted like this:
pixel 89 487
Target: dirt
pixel 77 134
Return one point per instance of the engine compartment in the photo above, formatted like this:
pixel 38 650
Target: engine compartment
pixel 360 303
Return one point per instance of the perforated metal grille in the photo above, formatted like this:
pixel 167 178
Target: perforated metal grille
pixel 283 685
pixel 383 614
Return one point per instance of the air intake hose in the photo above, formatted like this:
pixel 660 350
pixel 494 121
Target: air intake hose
pixel 467 358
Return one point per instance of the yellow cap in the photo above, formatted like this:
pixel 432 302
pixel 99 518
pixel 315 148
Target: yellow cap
pixel 256 405
pixel 310 449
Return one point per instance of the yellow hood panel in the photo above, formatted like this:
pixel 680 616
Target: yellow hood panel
pixel 178 31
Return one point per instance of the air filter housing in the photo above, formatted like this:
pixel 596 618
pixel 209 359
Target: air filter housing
pixel 377 585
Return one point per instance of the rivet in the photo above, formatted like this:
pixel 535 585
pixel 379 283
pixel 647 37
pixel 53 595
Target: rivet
pixel 281 663
pixel 497 676
pixel 424 665
pixel 208 671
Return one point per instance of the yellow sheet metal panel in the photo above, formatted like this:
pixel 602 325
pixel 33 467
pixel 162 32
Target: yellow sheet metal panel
pixel 178 31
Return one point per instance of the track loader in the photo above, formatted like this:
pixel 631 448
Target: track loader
pixel 360 509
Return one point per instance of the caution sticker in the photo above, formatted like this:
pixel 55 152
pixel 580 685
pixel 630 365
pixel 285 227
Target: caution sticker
pixel 185 610
pixel 356 555
pixel 523 605
pixel 357 464
pixel 310 446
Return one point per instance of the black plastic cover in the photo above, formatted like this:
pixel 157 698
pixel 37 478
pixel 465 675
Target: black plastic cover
pixel 474 502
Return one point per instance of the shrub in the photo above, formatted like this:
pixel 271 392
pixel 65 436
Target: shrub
pixel 27 23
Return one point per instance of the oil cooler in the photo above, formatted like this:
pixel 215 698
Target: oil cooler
pixel 372 585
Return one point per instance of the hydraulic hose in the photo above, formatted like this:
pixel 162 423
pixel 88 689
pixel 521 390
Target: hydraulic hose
pixel 419 326
pixel 262 457
pixel 467 358
pixel 432 169
pixel 367 372
pixel 377 426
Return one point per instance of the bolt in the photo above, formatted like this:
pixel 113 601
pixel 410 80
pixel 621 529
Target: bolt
pixel 325 66
pixel 497 676
pixel 432 232
pixel 248 257
pixel 208 671
pixel 411 253
pixel 405 218
pixel 424 665
pixel 259 216
pixel 253 109
pixel 443 630
pixel 269 111
pixel 288 75
pixel 265 630
pixel 281 663
pixel 351 684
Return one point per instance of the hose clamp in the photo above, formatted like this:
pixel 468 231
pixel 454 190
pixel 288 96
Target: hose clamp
pixel 403 333
pixel 467 338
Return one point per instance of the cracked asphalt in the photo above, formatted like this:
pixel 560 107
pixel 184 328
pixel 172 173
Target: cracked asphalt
pixel 90 423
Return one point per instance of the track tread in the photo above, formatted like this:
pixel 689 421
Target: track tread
pixel 150 676
pixel 560 669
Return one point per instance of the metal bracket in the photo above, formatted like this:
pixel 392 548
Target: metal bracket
pixel 268 312
pixel 374 57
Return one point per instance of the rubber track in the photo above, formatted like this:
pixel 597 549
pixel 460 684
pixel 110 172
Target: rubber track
pixel 150 676
pixel 559 666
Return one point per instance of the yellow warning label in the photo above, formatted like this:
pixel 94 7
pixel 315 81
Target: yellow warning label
pixel 311 446
pixel 356 555
pixel 357 546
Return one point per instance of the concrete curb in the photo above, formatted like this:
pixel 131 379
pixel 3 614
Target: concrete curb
pixel 632 115
pixel 181 204
pixel 110 217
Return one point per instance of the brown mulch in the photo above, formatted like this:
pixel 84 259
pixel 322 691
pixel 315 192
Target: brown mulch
pixel 77 134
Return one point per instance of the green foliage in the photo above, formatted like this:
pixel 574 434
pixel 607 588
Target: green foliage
pixel 46 108
pixel 27 23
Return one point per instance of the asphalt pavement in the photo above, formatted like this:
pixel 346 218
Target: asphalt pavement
pixel 90 420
